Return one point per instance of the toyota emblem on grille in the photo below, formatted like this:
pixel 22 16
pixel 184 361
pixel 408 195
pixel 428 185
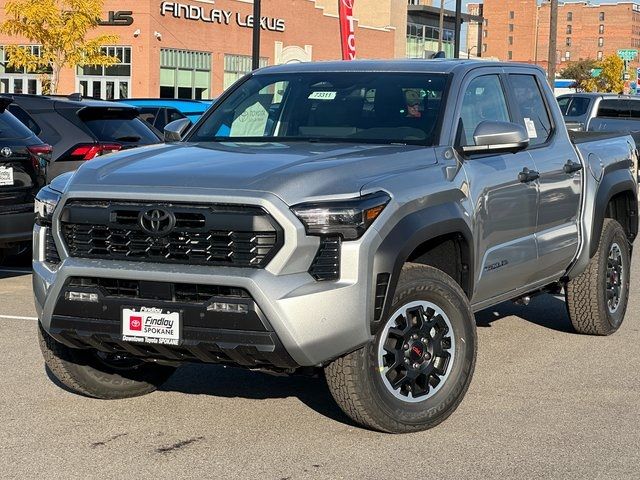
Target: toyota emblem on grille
pixel 6 152
pixel 157 221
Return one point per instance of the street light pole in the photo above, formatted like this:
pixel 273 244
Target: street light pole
pixel 255 55
pixel 441 26
pixel 553 38
pixel 456 42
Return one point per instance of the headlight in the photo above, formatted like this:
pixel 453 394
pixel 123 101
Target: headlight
pixel 45 204
pixel 348 218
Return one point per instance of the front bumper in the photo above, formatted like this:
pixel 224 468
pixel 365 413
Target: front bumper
pixel 16 226
pixel 312 321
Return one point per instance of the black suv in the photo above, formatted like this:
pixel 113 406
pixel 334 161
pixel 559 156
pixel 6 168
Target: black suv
pixel 80 129
pixel 23 165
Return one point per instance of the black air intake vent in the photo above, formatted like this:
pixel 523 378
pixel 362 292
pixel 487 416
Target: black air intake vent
pixel 326 265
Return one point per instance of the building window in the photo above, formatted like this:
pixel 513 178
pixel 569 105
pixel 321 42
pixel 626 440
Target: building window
pixel 569 16
pixel 510 40
pixel 601 42
pixel 568 29
pixel 510 55
pixel 600 55
pixel 567 55
pixel 20 80
pixel 601 16
pixel 511 27
pixel 484 48
pixel 512 15
pixel 108 83
pixel 237 66
pixel 568 42
pixel 422 41
pixel 601 29
pixel 185 74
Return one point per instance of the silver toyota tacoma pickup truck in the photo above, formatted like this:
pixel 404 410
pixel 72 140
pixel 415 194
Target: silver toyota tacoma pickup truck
pixel 349 217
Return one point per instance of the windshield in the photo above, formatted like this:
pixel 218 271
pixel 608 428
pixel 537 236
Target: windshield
pixel 358 107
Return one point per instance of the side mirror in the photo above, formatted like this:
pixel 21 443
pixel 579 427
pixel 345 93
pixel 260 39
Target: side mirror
pixel 174 131
pixel 498 137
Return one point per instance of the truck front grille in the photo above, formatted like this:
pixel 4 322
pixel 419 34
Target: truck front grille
pixel 216 235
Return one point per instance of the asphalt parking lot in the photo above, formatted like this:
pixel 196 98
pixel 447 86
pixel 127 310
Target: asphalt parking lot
pixel 544 403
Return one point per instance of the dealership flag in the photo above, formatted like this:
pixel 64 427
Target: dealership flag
pixel 347 29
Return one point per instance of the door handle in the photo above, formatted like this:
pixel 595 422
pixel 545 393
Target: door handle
pixel 527 175
pixel 572 167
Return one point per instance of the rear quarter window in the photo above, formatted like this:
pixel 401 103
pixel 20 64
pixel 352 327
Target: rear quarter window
pixel 614 108
pixel 12 128
pixel 25 118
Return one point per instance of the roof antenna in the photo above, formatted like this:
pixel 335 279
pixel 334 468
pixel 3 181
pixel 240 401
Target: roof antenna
pixel 439 54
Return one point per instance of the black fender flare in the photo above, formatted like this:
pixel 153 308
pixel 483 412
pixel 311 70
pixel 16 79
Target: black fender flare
pixel 613 182
pixel 413 230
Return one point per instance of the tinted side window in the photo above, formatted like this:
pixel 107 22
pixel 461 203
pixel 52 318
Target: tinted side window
pixel 563 103
pixel 614 108
pixel 579 107
pixel 534 115
pixel 173 114
pixel 483 100
pixel 25 118
pixel 148 114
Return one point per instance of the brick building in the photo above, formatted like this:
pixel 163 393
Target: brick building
pixel 196 48
pixel 518 30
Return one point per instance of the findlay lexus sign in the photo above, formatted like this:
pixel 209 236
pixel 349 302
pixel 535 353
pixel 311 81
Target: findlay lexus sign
pixel 221 17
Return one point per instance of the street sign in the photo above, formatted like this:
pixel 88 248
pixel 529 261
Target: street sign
pixel 627 54
pixel 595 72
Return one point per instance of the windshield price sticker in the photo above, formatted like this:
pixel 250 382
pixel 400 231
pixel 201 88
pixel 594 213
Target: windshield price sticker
pixel 151 325
pixel 6 176
pixel 324 95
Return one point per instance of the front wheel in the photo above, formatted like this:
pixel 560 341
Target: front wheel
pixel 597 299
pixel 99 375
pixel 416 371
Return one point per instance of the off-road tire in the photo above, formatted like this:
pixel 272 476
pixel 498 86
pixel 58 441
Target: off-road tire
pixel 83 372
pixel 356 382
pixel 586 295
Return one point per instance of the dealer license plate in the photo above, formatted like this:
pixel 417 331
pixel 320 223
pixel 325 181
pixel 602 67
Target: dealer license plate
pixel 151 325
pixel 6 176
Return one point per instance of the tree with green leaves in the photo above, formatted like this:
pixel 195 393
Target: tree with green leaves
pixel 611 77
pixel 60 27
pixel 580 71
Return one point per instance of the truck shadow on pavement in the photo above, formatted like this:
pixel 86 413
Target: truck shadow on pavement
pixel 544 310
pixel 229 382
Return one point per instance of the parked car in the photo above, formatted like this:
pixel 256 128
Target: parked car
pixel 23 163
pixel 600 111
pixel 161 111
pixel 345 216
pixel 79 129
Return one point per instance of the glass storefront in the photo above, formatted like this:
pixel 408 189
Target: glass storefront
pixel 107 83
pixel 185 74
pixel 422 41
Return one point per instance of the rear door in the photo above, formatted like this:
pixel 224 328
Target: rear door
pixel 560 179
pixel 505 208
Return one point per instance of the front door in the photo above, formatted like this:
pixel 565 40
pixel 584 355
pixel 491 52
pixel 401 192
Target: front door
pixel 504 207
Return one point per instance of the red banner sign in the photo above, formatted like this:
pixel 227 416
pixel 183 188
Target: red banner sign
pixel 347 29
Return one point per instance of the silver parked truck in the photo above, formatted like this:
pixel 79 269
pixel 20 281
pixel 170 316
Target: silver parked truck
pixel 344 217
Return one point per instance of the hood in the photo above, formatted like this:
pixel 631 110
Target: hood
pixel 295 172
